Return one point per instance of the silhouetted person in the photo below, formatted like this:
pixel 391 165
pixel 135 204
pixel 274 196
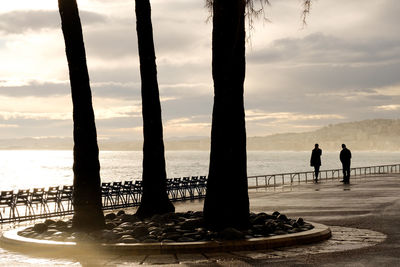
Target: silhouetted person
pixel 345 158
pixel 315 160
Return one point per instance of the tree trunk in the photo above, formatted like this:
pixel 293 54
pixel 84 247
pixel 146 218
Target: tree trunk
pixel 227 201
pixel 88 214
pixel 154 199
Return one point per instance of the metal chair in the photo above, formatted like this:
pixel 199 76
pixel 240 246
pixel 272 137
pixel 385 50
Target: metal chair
pixel 106 196
pixel 52 195
pixel 37 199
pixel 65 195
pixel 170 189
pixel 138 191
pixel 128 193
pixel 23 198
pixel 7 202
pixel 193 183
pixel 202 186
pixel 116 194
pixel 185 187
pixel 176 187
pixel 179 191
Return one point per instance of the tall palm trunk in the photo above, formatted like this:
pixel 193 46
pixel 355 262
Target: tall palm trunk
pixel 88 214
pixel 227 201
pixel 154 199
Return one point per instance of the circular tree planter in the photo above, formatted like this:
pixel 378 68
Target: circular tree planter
pixel 320 232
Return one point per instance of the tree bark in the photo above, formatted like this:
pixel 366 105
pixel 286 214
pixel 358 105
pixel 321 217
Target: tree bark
pixel 88 214
pixel 227 201
pixel 154 199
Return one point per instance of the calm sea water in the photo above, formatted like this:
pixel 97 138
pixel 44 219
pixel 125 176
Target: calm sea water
pixel 28 169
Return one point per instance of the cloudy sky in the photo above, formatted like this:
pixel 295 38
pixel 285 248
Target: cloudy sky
pixel 344 66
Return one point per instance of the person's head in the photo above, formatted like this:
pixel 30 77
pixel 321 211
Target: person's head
pixel 316 145
pixel 343 146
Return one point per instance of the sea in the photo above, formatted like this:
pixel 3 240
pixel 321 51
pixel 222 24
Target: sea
pixel 24 169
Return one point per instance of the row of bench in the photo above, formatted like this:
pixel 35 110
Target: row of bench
pixel 29 204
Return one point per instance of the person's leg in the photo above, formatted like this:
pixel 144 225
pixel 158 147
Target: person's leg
pixel 344 173
pixel 348 174
pixel 316 169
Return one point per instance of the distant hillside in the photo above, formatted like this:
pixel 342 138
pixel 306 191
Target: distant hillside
pixel 378 134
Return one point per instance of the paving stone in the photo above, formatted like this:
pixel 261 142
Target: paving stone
pixel 227 259
pixel 94 258
pixel 161 259
pixel 250 254
pixel 183 257
pixel 221 255
pixel 128 260
pixel 233 263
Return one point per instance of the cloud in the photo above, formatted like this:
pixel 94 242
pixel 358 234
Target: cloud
pixel 321 73
pixel 25 127
pixel 129 90
pixel 173 31
pixel 8 126
pixel 112 41
pixel 388 108
pixel 118 112
pixel 6 115
pixel 190 106
pixel 343 66
pixel 60 108
pixel 60 123
pixel 322 49
pixel 33 88
pixel 20 21
pixel 258 115
pixel 176 43
pixel 393 90
pixel 187 126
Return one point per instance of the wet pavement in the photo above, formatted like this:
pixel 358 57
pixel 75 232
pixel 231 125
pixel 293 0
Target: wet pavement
pixel 363 216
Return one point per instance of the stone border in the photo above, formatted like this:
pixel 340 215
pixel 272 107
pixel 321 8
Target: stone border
pixel 320 232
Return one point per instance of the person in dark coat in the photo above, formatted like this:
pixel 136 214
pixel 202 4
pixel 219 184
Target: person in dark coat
pixel 345 158
pixel 315 160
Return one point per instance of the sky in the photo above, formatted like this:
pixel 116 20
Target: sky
pixel 343 66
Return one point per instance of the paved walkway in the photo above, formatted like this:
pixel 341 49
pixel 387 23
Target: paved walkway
pixel 364 217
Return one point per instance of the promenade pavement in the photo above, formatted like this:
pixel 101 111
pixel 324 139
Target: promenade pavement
pixel 364 217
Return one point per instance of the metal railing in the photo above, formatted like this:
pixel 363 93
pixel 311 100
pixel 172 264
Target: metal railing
pixel 30 204
pixel 273 180
pixel 36 203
